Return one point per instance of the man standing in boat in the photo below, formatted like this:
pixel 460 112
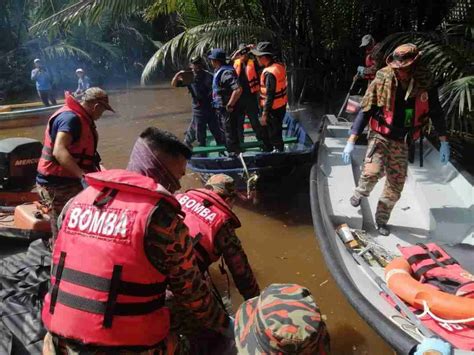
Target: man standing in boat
pixel 200 88
pixel 213 230
pixel 371 48
pixel 122 244
pixel 83 82
pixel 273 95
pixel 44 84
pixel 247 72
pixel 226 92
pixel 396 106
pixel 70 149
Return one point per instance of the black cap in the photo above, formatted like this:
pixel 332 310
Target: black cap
pixel 264 48
pixel 196 60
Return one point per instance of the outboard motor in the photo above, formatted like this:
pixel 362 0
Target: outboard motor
pixel 18 162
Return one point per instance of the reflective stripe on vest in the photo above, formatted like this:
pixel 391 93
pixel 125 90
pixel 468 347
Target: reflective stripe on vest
pixel 250 72
pixel 83 151
pixel 281 98
pixel 217 91
pixel 104 291
pixel 431 264
pixel 206 212
pixel 384 125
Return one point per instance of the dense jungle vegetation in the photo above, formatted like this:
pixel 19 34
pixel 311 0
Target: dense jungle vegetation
pixel 121 41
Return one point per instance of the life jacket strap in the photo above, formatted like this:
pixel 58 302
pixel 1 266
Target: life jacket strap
pixel 104 285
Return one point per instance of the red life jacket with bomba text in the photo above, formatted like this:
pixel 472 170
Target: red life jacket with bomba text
pixel 206 212
pixel 431 264
pixel 104 291
pixel 250 72
pixel 384 125
pixel 83 150
pixel 279 72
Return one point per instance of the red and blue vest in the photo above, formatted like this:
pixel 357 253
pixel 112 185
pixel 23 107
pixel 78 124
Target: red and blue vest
pixel 83 151
pixel 104 291
pixel 206 212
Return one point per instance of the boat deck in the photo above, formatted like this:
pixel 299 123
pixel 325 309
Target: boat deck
pixel 436 205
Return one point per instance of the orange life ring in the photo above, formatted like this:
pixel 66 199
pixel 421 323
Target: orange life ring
pixel 399 279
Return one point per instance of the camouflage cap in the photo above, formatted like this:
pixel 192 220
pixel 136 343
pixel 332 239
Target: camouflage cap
pixel 221 184
pixel 98 95
pixel 283 319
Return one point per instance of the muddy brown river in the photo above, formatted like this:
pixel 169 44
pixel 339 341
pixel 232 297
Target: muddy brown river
pixel 277 234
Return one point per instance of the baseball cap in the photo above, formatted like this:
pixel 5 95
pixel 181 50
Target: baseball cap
pixel 79 70
pixel 37 60
pixel 366 40
pixel 98 95
pixel 217 54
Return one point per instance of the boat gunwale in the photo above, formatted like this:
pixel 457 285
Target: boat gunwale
pixel 325 235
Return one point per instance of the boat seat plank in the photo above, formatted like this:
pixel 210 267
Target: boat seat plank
pixel 340 184
pixel 247 131
pixel 244 146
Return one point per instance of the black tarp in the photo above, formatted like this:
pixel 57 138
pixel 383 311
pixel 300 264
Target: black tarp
pixel 24 279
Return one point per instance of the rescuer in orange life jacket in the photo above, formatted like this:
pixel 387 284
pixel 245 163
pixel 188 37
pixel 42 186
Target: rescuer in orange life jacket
pixel 212 225
pixel 122 243
pixel 248 73
pixel 396 107
pixel 273 95
pixel 70 149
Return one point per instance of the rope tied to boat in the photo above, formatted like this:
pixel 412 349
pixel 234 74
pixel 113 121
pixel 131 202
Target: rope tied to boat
pixel 427 311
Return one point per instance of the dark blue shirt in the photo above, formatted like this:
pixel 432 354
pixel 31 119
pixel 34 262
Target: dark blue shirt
pixel 67 122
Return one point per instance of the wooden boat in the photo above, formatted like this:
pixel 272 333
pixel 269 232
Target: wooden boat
pixel 26 114
pixel 255 169
pixel 436 206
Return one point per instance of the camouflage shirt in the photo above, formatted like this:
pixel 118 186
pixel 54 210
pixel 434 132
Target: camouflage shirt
pixel 229 246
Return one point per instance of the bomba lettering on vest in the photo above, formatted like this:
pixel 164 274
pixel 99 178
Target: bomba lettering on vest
pixel 93 222
pixel 197 208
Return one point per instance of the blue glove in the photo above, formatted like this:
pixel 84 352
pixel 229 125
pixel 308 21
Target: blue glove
pixel 433 344
pixel 444 153
pixel 360 71
pixel 84 183
pixel 346 155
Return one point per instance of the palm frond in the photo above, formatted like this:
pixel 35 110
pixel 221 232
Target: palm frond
pixel 94 9
pixel 225 34
pixel 64 50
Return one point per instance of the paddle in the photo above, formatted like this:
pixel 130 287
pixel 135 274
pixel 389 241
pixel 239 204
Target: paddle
pixel 347 97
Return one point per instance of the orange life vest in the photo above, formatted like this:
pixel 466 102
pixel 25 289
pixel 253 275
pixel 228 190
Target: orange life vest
pixel 206 212
pixel 279 72
pixel 251 73
pixel 384 125
pixel 83 151
pixel 104 291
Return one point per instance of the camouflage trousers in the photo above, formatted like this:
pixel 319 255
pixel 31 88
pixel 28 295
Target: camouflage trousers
pixel 55 198
pixel 384 157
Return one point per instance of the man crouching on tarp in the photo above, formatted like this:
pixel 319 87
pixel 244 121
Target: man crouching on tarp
pixel 121 244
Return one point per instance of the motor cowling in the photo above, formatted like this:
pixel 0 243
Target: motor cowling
pixel 18 162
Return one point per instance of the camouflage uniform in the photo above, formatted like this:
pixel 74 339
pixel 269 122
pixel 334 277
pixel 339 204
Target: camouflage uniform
pixel 169 248
pixel 284 319
pixel 387 157
pixel 55 198
pixel 227 244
